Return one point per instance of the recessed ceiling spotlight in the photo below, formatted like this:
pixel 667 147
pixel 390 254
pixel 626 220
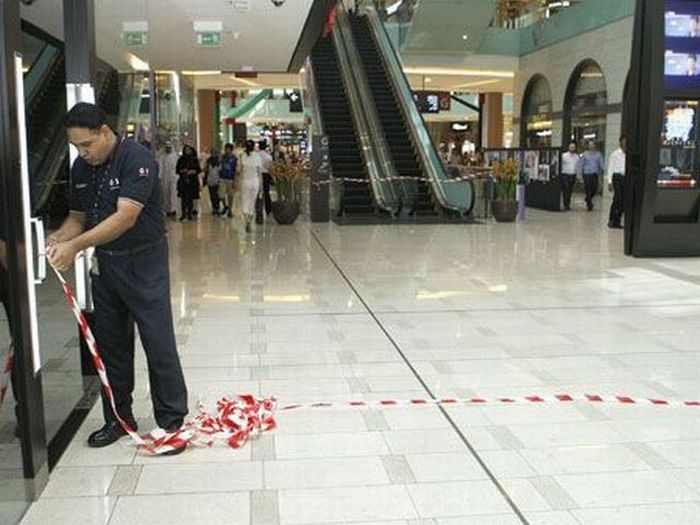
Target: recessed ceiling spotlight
pixel 465 37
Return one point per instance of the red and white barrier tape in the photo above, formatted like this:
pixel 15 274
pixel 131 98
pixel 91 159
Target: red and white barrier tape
pixel 235 420
pixel 332 180
pixel 524 400
pixel 5 378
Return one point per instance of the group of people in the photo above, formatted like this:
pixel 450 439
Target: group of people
pixel 590 166
pixel 238 181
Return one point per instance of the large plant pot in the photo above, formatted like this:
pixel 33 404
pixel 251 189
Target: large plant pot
pixel 285 212
pixel 504 211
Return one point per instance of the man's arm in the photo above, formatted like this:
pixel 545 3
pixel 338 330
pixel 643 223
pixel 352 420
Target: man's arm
pixel 63 254
pixel 73 226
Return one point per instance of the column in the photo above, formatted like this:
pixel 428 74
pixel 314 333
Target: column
pixel 493 120
pixel 207 104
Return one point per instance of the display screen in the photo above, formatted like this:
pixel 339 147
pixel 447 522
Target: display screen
pixel 682 51
pixel 678 145
pixel 427 101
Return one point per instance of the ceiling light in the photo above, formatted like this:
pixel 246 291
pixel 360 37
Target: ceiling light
pixel 136 63
pixel 465 37
pixel 457 72
pixel 200 73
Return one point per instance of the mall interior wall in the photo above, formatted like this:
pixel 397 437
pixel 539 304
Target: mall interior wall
pixel 610 46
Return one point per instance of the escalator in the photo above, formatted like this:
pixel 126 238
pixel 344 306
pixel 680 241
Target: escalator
pixel 403 151
pixel 47 140
pixel 356 198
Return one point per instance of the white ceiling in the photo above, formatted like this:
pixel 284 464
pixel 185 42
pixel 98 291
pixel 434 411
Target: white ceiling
pixel 263 38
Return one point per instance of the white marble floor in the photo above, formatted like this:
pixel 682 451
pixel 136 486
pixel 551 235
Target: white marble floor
pixel 312 313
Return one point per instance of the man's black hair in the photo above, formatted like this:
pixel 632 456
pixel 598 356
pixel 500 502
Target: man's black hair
pixel 228 146
pixel 86 115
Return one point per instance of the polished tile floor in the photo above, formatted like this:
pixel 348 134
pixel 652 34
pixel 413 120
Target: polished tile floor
pixel 329 313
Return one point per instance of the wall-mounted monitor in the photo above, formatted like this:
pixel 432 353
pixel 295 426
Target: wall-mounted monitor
pixel 682 44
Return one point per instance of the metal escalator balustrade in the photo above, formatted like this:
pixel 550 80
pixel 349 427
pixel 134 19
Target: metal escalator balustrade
pixel 406 161
pixel 455 198
pixel 344 147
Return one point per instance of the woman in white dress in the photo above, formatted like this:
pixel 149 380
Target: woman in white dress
pixel 251 175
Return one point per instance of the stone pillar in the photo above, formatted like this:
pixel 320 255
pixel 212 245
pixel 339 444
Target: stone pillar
pixel 207 114
pixel 493 120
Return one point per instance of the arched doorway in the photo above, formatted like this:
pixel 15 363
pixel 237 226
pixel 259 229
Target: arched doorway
pixel 536 114
pixel 586 105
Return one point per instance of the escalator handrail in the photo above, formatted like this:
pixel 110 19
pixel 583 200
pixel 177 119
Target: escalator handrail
pixel 389 176
pixel 41 70
pixel 311 87
pixel 367 151
pixel 453 195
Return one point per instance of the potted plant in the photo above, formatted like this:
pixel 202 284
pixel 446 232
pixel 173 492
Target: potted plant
pixel 285 176
pixel 506 174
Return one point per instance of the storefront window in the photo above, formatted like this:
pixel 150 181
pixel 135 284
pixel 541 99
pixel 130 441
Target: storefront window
pixel 586 105
pixel 536 120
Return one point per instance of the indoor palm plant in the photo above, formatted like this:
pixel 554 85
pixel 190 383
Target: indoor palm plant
pixel 506 175
pixel 286 176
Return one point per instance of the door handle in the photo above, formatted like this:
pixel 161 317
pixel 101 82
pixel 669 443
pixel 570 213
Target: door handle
pixel 38 225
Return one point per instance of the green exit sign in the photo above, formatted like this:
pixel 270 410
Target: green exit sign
pixel 136 38
pixel 209 39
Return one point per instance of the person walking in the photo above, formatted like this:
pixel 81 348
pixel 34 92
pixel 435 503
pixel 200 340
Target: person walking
pixel 266 162
pixel 168 177
pixel 251 173
pixel 570 164
pixel 229 167
pixel 616 183
pixel 211 181
pixel 116 206
pixel 188 168
pixel 592 167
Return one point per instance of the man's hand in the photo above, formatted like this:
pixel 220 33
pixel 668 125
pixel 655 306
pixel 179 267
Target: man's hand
pixel 53 239
pixel 62 255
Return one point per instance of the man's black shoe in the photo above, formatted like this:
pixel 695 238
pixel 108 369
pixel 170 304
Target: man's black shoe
pixel 175 451
pixel 108 434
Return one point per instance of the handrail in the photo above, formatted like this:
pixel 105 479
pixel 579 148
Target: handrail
pixel 41 69
pixel 388 174
pixel 361 126
pixel 452 195
pixel 309 84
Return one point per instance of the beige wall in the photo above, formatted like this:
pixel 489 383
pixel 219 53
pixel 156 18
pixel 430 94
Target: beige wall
pixel 610 46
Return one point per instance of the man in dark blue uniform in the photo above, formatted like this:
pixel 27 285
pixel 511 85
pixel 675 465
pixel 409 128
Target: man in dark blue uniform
pixel 116 206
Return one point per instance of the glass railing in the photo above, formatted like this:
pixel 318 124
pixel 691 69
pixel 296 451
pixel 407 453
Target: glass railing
pixel 381 185
pixel 387 179
pixel 518 16
pixel 453 195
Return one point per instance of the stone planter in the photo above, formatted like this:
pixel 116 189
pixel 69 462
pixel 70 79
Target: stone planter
pixel 504 211
pixel 285 212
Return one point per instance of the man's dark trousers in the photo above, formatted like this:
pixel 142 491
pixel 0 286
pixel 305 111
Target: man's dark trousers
pixel 135 286
pixel 618 204
pixel 567 187
pixel 590 183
